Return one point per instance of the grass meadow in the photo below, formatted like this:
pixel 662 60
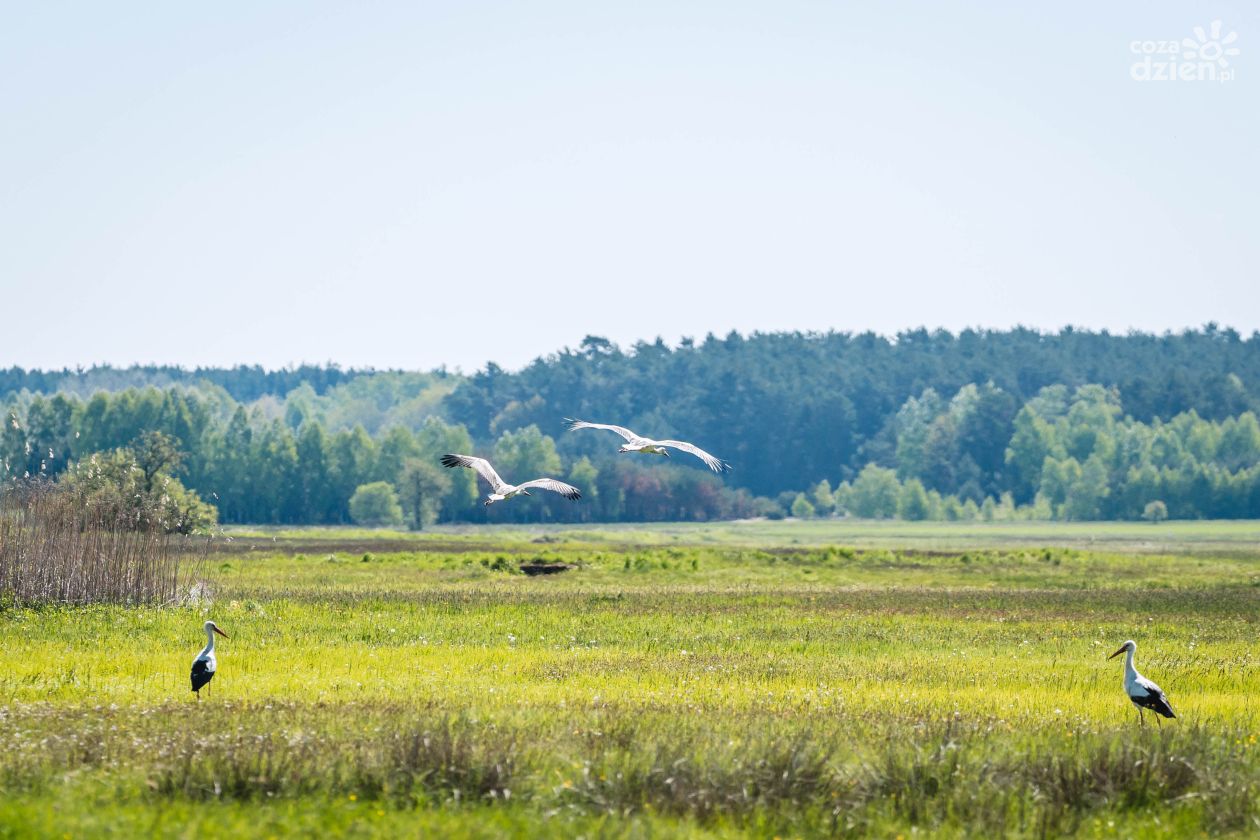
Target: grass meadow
pixel 755 679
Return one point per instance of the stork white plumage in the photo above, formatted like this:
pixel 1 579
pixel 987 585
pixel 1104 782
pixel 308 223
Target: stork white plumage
pixel 638 443
pixel 1143 693
pixel 205 664
pixel 500 490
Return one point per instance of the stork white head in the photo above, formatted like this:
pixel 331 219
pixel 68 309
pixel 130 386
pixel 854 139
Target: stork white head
pixel 211 627
pixel 1129 645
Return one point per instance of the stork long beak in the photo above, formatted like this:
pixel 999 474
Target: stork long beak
pixel 1123 648
pixel 221 633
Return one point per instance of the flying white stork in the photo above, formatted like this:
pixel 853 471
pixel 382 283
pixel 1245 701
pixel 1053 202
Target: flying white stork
pixel 1142 692
pixel 500 489
pixel 638 443
pixel 205 663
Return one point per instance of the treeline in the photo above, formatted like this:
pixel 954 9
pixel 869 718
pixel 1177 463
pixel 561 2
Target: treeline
pixel 1072 425
pixel 789 410
pixel 243 383
pixel 256 469
pixel 1071 456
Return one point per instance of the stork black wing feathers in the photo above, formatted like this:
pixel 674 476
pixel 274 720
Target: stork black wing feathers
pixel 200 675
pixel 1156 702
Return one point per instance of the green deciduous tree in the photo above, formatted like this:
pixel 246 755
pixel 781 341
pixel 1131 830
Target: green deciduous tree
pixel 155 452
pixel 375 504
pixel 801 508
pixel 394 449
pixel 913 502
pixel 1087 490
pixel 435 439
pixel 1032 441
pixel 584 475
pixel 823 498
pixel 421 488
pixel 353 462
pixel 875 493
pixel 912 424
pixel 525 454
pixel 113 484
pixel 319 500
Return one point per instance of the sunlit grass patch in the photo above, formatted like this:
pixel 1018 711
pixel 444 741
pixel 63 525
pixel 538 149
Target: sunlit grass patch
pixel 663 690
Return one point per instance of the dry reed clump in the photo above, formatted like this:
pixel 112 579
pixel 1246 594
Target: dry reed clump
pixel 706 781
pixel 441 761
pixel 57 546
pixel 929 779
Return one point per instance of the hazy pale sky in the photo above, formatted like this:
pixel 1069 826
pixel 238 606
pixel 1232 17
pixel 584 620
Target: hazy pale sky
pixel 408 185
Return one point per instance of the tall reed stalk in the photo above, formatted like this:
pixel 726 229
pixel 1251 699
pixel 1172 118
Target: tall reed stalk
pixel 58 547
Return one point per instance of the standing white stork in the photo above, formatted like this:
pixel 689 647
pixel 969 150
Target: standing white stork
pixel 204 665
pixel 638 443
pixel 1142 692
pixel 500 489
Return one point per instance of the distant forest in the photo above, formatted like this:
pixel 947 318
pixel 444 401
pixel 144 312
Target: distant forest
pixel 243 383
pixel 980 424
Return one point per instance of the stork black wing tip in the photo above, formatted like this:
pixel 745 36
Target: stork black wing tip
pixel 451 461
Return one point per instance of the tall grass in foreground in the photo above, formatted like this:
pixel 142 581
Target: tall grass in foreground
pixel 838 776
pixel 57 547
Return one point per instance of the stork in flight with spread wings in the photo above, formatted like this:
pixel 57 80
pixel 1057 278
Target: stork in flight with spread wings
pixel 500 490
pixel 638 443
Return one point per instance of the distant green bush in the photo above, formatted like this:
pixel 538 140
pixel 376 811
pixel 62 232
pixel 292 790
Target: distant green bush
pixel 801 508
pixel 376 504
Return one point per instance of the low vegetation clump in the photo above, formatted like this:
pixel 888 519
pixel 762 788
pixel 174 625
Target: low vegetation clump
pixel 114 487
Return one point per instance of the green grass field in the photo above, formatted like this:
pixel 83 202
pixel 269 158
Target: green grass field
pixel 748 679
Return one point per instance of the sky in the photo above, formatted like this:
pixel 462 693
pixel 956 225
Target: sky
pixel 409 185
